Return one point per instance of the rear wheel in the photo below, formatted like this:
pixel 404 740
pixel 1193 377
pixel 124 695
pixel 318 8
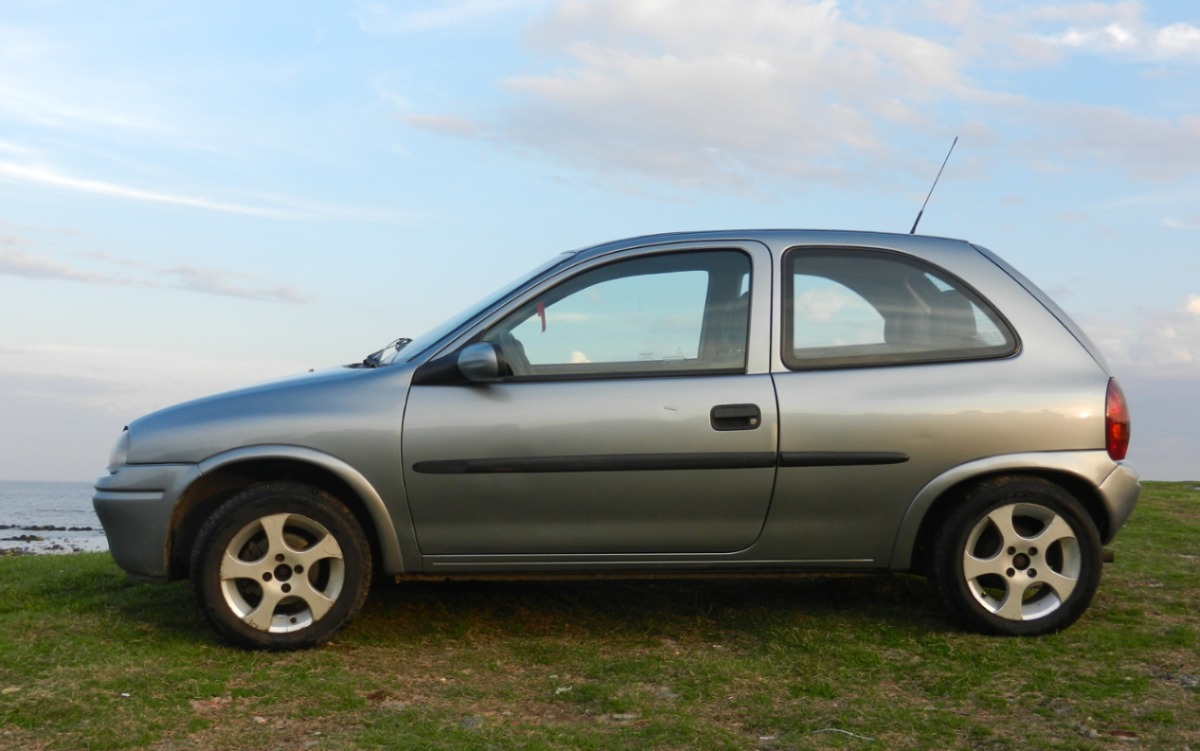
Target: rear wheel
pixel 281 566
pixel 1020 556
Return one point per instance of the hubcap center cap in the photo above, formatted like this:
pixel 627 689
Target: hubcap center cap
pixel 283 572
pixel 1021 562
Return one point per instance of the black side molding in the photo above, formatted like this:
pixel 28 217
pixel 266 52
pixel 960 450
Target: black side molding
pixel 840 458
pixel 657 462
pixel 598 463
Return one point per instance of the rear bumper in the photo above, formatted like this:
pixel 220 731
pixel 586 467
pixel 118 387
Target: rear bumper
pixel 135 505
pixel 1119 492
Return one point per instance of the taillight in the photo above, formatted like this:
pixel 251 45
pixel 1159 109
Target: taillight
pixel 1116 422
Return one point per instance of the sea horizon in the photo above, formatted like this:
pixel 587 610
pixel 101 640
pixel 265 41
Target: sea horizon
pixel 48 516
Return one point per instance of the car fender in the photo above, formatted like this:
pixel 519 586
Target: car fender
pixel 1093 467
pixel 385 530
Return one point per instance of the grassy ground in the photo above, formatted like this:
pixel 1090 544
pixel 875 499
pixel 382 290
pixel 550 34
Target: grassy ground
pixel 91 660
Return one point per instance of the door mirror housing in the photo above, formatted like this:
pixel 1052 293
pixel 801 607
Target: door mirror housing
pixel 482 362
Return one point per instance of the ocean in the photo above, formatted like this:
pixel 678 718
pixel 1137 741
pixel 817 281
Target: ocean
pixel 48 517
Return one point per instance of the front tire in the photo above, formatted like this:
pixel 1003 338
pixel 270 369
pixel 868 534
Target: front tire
pixel 1019 557
pixel 281 566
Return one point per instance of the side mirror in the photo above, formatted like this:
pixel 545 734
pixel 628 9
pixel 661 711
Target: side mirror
pixel 482 362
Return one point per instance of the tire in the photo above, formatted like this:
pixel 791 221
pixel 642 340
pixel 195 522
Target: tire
pixel 281 566
pixel 1019 557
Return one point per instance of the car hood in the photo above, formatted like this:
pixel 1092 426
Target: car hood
pixel 323 410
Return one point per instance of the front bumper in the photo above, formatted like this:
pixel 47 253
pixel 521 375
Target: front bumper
pixel 135 505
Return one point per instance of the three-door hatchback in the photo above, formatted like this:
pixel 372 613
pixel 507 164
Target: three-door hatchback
pixel 744 402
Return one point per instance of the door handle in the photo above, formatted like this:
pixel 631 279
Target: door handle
pixel 735 417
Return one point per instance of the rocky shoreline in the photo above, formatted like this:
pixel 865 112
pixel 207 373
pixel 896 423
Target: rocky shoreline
pixel 48 517
pixel 35 539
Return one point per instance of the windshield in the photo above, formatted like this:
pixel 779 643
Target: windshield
pixel 429 339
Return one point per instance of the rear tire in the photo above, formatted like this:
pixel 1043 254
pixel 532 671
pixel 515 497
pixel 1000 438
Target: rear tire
pixel 281 566
pixel 1019 557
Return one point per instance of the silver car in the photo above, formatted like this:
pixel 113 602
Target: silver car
pixel 744 402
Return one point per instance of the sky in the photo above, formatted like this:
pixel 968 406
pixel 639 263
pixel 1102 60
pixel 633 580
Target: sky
pixel 200 196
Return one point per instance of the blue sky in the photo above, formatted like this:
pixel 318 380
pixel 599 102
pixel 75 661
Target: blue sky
pixel 196 196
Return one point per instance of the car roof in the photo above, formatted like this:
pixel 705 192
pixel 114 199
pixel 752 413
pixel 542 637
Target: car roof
pixel 780 239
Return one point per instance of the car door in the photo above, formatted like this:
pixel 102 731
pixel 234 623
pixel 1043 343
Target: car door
pixel 893 371
pixel 636 417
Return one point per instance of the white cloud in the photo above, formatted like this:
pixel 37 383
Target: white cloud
pixel 13 149
pixel 1112 36
pixel 1191 223
pixel 1144 147
pixel 721 93
pixel 215 282
pixel 1178 39
pixel 447 125
pixel 269 206
pixel 24 102
pixel 740 93
pixel 1154 344
pixel 1119 29
pixel 14 261
pixel 42 175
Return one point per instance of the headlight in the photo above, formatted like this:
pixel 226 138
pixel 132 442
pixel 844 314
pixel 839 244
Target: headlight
pixel 120 453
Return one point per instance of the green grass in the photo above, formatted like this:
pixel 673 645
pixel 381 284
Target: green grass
pixel 91 660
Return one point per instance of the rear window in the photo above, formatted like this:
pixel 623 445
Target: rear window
pixel 845 308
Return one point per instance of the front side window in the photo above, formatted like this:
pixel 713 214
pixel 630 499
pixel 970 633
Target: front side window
pixel 846 308
pixel 685 311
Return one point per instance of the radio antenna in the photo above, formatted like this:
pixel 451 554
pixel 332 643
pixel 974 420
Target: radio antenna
pixel 920 213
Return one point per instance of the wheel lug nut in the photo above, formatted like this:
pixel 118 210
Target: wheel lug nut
pixel 279 557
pixel 1033 551
pixel 1011 573
pixel 267 576
pixel 1032 573
pixel 287 588
pixel 1012 551
pixel 299 569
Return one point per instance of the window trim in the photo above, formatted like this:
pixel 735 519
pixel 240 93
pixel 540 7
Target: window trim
pixel 664 371
pixel 1010 348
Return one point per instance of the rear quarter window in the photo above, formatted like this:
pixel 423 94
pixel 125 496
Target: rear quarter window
pixel 852 307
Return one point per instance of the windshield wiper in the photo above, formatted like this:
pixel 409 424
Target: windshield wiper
pixel 375 359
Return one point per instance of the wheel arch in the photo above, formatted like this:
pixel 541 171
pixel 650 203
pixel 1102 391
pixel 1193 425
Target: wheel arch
pixel 1078 473
pixel 226 474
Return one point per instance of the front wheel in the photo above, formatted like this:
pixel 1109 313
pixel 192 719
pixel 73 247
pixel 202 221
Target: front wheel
pixel 281 566
pixel 1019 557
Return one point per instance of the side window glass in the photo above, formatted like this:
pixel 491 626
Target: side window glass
pixel 674 312
pixel 847 308
pixel 826 313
